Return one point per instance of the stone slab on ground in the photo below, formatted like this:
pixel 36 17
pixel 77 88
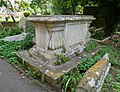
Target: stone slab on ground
pixel 93 78
pixel 12 81
pixel 18 37
pixel 53 72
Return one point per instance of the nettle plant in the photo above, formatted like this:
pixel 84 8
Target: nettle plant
pixel 113 54
pixel 116 86
pixel 87 62
pixel 117 77
pixel 90 46
pixel 61 59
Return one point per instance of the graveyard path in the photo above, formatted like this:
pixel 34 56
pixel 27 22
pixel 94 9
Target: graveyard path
pixel 13 81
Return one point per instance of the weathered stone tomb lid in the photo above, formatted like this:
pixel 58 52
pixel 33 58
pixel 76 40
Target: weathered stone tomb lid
pixel 51 18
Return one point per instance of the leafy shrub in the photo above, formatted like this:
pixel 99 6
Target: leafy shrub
pixel 61 59
pixel 26 13
pixel 117 76
pixel 118 33
pixel 35 73
pixel 116 86
pixel 113 54
pixel 100 35
pixel 107 83
pixel 7 49
pixel 90 46
pixel 87 62
pixel 27 43
pixel 9 31
pixel 30 28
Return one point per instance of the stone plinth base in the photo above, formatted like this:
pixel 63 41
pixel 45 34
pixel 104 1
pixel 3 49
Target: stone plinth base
pixel 34 59
pixel 50 55
pixel 53 72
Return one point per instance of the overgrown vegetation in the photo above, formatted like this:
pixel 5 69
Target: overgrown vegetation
pixel 8 49
pixel 112 81
pixel 34 73
pixel 98 35
pixel 61 59
pixel 9 31
pixel 113 54
pixel 88 61
pixel 85 63
pixel 90 46
pixel 70 80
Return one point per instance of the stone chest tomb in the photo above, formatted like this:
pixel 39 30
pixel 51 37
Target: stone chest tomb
pixel 53 33
pixel 57 34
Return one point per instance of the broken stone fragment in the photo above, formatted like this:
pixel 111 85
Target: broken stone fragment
pixel 18 37
pixel 93 79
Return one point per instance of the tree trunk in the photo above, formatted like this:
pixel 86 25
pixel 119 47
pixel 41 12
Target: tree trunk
pixel 13 19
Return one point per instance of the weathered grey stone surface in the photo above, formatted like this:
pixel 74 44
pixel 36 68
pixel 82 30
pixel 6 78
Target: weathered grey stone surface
pixel 48 67
pixel 93 79
pixel 15 37
pixel 53 72
pixel 51 18
pixel 57 32
pixel 57 35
